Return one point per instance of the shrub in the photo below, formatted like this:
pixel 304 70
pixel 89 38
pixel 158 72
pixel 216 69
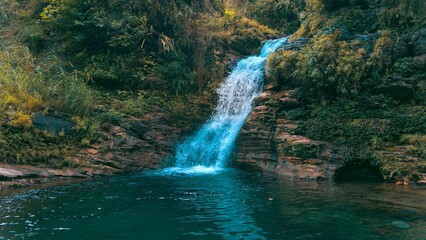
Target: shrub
pixel 417 144
pixel 331 67
pixel 280 66
pixel 279 14
pixel 177 74
pixel 304 151
pixel 401 16
pixel 20 120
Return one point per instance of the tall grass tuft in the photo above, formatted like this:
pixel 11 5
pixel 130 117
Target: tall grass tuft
pixel 26 88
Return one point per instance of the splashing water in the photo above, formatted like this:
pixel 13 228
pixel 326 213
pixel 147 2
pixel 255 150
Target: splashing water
pixel 208 150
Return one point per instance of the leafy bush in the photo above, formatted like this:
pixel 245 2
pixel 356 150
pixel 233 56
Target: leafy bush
pixel 331 67
pixel 178 76
pixel 279 14
pixel 304 151
pixel 417 144
pixel 401 16
pixel 280 66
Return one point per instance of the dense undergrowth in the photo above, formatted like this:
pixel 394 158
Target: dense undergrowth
pixel 344 77
pixel 95 64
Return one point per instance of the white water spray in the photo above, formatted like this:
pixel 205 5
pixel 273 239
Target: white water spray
pixel 209 149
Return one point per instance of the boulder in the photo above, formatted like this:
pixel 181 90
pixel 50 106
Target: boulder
pixel 419 62
pixel 57 123
pixel 402 48
pixel 401 225
pixel 295 45
pixel 419 42
pixel 266 141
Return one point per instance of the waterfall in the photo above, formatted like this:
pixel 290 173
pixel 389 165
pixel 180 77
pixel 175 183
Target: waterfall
pixel 208 150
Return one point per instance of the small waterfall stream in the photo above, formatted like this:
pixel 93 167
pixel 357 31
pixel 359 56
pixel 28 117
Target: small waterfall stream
pixel 208 150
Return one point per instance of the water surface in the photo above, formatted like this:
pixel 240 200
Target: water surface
pixel 231 204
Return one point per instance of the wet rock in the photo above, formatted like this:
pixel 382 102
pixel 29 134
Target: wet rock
pixel 6 174
pixel 57 124
pixel 419 62
pixel 293 167
pixel 398 88
pixel 419 42
pixel 402 48
pixel 265 136
pixel 421 183
pixel 256 142
pixel 231 61
pixel 401 225
pixel 401 183
pixel 295 45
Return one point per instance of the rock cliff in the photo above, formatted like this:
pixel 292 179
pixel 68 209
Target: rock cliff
pixel 274 139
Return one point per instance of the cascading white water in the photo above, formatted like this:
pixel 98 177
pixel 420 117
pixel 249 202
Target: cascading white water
pixel 208 150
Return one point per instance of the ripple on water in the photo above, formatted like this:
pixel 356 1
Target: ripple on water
pixel 196 170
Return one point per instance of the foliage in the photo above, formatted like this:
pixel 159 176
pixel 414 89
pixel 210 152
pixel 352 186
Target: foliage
pixel 280 66
pixel 336 4
pixel 39 148
pixel 304 151
pixel 401 15
pixel 328 66
pixel 371 134
pixel 106 41
pixel 417 144
pixel 278 14
pixel 236 32
pixel 28 88
pixel 177 74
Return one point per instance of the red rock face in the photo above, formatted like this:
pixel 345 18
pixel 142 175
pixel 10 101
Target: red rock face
pixel 144 145
pixel 266 136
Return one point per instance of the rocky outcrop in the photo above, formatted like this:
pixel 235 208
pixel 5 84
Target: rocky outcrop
pixel 297 44
pixel 53 122
pixel 419 42
pixel 419 62
pixel 144 143
pixel 271 142
pixel 256 144
pixel 399 88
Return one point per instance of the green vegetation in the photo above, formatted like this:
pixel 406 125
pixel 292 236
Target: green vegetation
pixel 342 82
pixel 304 151
pixel 105 63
